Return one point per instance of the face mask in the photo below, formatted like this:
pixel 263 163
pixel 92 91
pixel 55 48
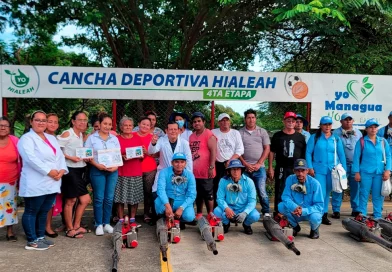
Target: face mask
pixel 234 187
pixel 298 187
pixel 180 123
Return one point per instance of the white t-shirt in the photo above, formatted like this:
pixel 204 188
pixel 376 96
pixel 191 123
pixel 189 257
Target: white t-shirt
pixel 229 143
pixel 69 145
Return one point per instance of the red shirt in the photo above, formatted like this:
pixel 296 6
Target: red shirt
pixel 201 153
pixel 149 164
pixel 132 167
pixel 8 163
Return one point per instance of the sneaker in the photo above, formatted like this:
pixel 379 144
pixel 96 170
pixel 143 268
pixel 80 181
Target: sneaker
pixel 247 229
pixel 296 229
pixel 336 215
pixel 226 228
pixel 47 242
pixel 314 234
pixel 107 228
pixel 36 245
pixel 99 230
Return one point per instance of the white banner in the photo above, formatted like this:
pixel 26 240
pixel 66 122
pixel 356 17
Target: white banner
pixel 146 84
pixel 363 96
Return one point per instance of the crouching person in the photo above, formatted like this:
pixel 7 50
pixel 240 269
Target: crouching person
pixel 176 191
pixel 236 198
pixel 302 200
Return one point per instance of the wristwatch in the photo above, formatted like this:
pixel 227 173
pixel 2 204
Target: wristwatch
pixel 211 167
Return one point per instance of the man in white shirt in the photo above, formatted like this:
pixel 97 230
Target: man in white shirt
pixel 229 147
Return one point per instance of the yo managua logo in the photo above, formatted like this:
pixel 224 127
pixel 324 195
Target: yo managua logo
pixel 21 81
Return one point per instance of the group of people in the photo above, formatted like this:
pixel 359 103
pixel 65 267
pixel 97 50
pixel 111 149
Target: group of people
pixel 223 169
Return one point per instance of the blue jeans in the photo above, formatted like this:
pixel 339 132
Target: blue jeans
pixel 313 218
pixel 259 178
pixel 34 216
pixel 104 185
pixel 251 218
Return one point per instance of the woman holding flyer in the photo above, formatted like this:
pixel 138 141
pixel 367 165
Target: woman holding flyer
pixel 129 188
pixel 74 185
pixel 103 173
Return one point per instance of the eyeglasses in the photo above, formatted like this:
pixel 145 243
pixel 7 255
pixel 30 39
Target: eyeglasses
pixel 40 120
pixel 4 126
pixel 82 120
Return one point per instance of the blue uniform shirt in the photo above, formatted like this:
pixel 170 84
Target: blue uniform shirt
pixel 323 159
pixel 167 189
pixel 381 132
pixel 348 143
pixel 311 202
pixel 237 201
pixel 372 156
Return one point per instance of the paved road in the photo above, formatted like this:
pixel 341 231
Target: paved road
pixel 334 251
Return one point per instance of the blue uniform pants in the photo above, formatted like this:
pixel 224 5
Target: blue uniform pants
pixel 251 218
pixel 313 218
pixel 354 190
pixel 187 215
pixel 371 182
pixel 326 187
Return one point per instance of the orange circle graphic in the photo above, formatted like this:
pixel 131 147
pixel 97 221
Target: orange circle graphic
pixel 300 90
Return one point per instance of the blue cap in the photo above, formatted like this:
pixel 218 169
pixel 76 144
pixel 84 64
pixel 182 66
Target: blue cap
pixel 299 116
pixel 325 120
pixel 235 164
pixel 179 156
pixel 345 116
pixel 371 122
pixel 390 114
pixel 197 114
pixel 300 164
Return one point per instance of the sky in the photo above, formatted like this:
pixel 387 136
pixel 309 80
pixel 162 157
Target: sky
pixel 70 30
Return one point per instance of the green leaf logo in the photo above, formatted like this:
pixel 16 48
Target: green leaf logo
pixel 19 80
pixel 360 93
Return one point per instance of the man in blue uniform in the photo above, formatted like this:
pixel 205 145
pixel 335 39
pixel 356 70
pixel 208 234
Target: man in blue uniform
pixel 349 136
pixel 302 200
pixel 176 191
pixel 300 123
pixel 236 198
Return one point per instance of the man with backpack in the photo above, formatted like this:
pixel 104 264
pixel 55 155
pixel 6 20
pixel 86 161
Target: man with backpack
pixel 386 131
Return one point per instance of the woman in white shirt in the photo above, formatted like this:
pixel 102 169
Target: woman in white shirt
pixel 103 179
pixel 43 167
pixel 73 186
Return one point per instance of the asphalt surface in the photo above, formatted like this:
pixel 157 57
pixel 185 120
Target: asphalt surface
pixel 334 251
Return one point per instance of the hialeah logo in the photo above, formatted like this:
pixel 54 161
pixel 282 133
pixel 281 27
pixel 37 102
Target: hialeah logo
pixel 344 100
pixel 22 79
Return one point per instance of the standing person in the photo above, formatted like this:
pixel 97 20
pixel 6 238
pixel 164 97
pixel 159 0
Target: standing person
pixel 372 167
pixel 386 131
pixel 324 152
pixel 300 123
pixel 153 129
pixel 129 188
pixel 53 124
pixel 288 146
pixel 43 167
pixel 256 149
pixel 103 179
pixel 202 143
pixel 237 198
pixel 229 147
pixel 349 137
pixel 74 185
pixel 182 120
pixel 149 167
pixel 302 200
pixel 10 166
pixel 167 147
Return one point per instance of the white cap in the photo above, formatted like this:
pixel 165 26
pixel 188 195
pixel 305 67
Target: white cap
pixel 223 115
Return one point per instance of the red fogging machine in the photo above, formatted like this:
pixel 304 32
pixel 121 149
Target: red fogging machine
pixel 168 229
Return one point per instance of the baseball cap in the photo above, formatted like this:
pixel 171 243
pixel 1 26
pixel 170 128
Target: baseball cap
pixel 179 156
pixel 289 114
pixel 197 114
pixel 300 164
pixel 235 164
pixel 299 116
pixel 371 122
pixel 345 116
pixel 390 114
pixel 326 120
pixel 223 115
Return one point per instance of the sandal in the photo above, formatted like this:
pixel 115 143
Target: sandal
pixel 147 219
pixel 11 238
pixel 76 235
pixel 83 230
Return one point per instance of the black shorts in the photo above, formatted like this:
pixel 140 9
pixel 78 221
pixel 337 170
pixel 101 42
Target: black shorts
pixel 74 183
pixel 205 188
